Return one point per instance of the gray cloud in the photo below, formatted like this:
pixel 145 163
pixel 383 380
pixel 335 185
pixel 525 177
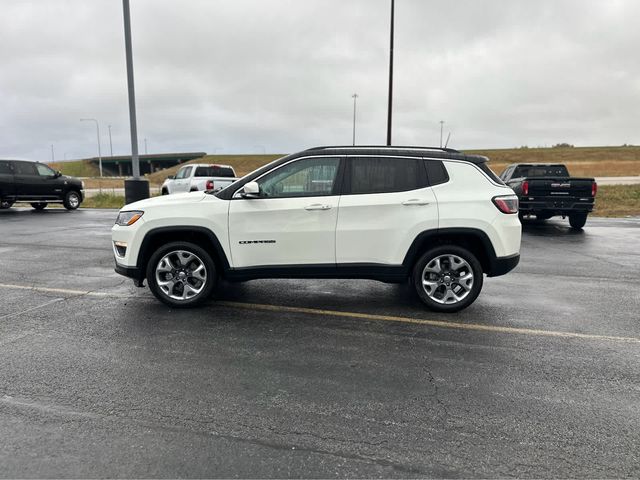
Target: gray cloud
pixel 239 76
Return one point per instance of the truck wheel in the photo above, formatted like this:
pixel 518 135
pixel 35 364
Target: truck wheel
pixel 577 220
pixel 39 205
pixel 4 204
pixel 181 274
pixel 447 278
pixel 71 200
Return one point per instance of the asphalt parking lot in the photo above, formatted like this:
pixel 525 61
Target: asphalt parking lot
pixel 539 377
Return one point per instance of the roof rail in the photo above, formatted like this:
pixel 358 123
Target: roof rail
pixel 397 147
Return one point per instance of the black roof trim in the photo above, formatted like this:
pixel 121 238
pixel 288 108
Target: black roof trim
pixel 380 147
pixel 430 152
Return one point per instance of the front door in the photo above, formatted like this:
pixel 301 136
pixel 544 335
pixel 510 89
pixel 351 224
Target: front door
pixel 182 180
pixel 293 222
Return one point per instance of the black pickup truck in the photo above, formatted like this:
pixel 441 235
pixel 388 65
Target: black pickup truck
pixel 547 190
pixel 37 184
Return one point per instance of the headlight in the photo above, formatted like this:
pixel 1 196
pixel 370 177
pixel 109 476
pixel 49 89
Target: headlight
pixel 128 218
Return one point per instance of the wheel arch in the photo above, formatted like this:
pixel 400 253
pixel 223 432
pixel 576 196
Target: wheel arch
pixel 473 239
pixel 200 236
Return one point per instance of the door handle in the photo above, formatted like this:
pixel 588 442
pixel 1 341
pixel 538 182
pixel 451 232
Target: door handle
pixel 317 206
pixel 415 201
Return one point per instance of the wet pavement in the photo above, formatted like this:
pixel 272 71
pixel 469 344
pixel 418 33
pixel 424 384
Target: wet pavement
pixel 539 377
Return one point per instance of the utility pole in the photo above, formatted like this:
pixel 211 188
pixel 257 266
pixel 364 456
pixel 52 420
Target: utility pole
pixel 145 146
pixel 110 142
pixel 354 96
pixel 441 127
pixel 98 135
pixel 390 105
pixel 134 188
pixel 53 158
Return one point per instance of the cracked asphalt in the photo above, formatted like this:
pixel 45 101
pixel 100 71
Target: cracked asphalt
pixel 326 379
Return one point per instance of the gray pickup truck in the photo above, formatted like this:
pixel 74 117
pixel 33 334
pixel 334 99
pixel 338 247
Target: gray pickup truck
pixel 547 190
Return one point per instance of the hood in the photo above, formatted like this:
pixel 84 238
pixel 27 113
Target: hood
pixel 178 198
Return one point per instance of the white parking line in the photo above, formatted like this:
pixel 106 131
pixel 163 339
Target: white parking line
pixel 338 313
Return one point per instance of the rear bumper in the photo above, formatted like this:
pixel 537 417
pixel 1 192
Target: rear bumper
pixel 556 205
pixel 502 265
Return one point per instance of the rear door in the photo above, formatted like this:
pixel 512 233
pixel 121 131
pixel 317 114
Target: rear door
pixel 293 222
pixel 385 204
pixel 7 184
pixel 27 180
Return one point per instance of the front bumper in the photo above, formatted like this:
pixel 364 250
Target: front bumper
pixel 502 265
pixel 134 273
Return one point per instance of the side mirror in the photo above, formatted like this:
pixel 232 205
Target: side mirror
pixel 251 190
pixel 171 177
pixel 57 174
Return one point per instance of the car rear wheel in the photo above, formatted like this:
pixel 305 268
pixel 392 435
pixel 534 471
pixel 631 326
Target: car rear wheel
pixel 181 274
pixel 39 205
pixel 577 220
pixel 4 204
pixel 71 200
pixel 447 278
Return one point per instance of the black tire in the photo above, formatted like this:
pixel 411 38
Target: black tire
pixel 170 249
pixel 577 220
pixel 450 272
pixel 72 200
pixel 4 204
pixel 39 205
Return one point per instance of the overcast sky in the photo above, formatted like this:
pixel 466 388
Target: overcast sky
pixel 243 76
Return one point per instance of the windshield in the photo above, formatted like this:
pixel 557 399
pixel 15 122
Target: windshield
pixel 541 171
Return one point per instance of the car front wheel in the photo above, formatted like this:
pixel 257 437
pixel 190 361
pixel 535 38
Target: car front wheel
pixel 71 200
pixel 447 278
pixel 181 274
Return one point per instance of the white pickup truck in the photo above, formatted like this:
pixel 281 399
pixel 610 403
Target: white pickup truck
pixel 199 176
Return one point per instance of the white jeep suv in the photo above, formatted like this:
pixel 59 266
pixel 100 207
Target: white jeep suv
pixel 436 217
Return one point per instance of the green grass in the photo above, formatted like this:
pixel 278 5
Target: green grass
pixel 78 168
pixel 618 201
pixel 104 200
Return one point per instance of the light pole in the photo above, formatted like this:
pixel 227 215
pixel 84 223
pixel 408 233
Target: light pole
pixel 354 96
pixel 53 158
pixel 98 136
pixel 134 188
pixel 441 127
pixel 390 105
pixel 110 142
pixel 145 146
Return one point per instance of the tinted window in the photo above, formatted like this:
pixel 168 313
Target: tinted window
pixel 24 168
pixel 541 171
pixel 214 171
pixel 308 177
pixel 44 171
pixel 436 172
pixel 383 175
pixel 5 168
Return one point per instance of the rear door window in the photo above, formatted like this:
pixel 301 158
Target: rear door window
pixel 25 168
pixel 5 168
pixel 385 175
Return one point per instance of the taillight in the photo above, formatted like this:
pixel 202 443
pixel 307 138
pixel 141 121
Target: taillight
pixel 209 185
pixel 525 187
pixel 594 189
pixel 506 204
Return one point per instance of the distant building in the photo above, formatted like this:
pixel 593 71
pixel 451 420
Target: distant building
pixel 120 165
